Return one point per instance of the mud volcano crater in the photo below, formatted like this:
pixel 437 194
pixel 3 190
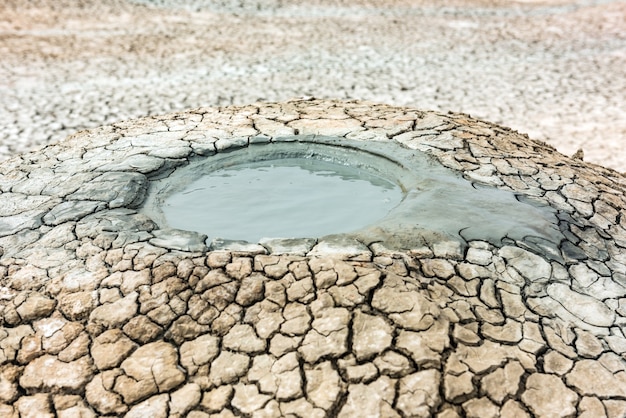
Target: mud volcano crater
pixel 494 285
pixel 301 188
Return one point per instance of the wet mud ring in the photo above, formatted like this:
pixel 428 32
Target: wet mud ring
pixel 104 310
pixel 437 203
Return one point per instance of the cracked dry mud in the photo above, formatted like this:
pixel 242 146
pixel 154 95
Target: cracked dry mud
pixel 97 319
pixel 555 69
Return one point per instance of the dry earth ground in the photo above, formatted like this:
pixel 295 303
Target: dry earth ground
pixel 555 70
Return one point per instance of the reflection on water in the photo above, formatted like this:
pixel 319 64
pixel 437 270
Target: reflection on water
pixel 288 198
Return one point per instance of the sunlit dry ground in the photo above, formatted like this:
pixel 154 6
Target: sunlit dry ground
pixel 555 70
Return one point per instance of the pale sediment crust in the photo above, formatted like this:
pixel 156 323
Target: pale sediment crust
pixel 555 70
pixel 100 315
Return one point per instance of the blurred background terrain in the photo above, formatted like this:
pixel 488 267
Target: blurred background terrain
pixel 553 69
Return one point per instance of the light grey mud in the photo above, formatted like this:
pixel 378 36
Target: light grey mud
pixel 97 319
pixel 555 69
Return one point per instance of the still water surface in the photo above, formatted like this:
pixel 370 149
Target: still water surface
pixel 287 198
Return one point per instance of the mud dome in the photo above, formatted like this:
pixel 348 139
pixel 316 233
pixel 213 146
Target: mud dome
pixel 106 311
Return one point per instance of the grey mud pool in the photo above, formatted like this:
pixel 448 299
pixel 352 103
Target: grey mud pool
pixel 310 187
